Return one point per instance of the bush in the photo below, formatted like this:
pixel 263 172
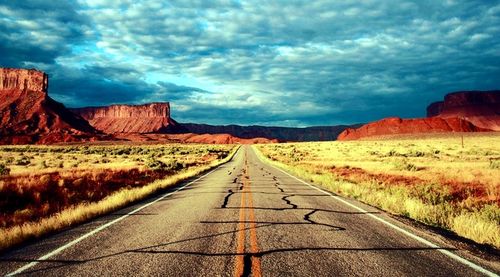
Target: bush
pixel 23 160
pixel 405 165
pixel 416 154
pixel 494 164
pixel 4 170
pixel 42 164
pixel 158 165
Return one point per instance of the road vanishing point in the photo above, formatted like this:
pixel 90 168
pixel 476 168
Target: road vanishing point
pixel 245 218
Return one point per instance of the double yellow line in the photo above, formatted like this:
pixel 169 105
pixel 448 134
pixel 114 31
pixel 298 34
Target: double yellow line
pixel 247 204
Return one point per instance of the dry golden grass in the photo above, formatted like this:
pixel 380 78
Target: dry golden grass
pixel 433 180
pixel 198 159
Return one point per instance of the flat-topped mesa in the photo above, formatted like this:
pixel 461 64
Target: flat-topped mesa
pixel 482 108
pixel 126 111
pixel 146 118
pixel 398 126
pixel 23 79
pixel 29 115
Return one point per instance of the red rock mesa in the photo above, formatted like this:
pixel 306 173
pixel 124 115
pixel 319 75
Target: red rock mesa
pixel 29 115
pixel 482 108
pixel 147 118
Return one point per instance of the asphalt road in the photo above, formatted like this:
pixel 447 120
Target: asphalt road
pixel 245 218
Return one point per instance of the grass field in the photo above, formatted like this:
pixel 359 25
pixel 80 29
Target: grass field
pixel 47 188
pixel 433 180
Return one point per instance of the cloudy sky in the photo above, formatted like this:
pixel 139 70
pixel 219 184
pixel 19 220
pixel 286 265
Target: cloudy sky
pixel 284 63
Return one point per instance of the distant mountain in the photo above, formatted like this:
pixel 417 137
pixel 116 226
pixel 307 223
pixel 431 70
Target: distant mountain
pixel 398 126
pixel 319 133
pixel 191 138
pixel 155 118
pixel 482 108
pixel 463 111
pixel 29 115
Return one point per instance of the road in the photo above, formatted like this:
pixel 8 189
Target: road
pixel 245 218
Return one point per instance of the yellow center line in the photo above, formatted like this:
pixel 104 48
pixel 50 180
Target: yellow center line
pixel 256 269
pixel 240 251
pixel 247 202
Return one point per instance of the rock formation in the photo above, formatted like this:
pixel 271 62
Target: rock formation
pixel 482 108
pixel 192 138
pixel 29 115
pixel 147 118
pixel 396 126
pixel 318 133
pixel 23 79
pixel 463 111
pixel 155 118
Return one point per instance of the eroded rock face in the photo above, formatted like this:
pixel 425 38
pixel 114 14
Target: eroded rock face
pixel 147 118
pixel 23 79
pixel 482 108
pixel 29 115
pixel 396 125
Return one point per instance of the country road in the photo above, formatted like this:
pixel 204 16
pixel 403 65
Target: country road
pixel 245 218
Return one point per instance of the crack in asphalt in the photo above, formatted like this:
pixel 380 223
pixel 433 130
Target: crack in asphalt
pixel 307 217
pixel 247 265
pixel 226 198
pixel 278 187
pixel 288 202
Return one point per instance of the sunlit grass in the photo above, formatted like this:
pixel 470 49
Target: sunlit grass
pixel 173 163
pixel 433 180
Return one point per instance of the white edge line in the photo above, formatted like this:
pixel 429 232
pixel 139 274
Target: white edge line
pixel 420 239
pixel 75 241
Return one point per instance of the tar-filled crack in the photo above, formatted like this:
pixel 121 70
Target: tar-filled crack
pixel 226 198
pixel 277 185
pixel 247 265
pixel 307 217
pixel 288 202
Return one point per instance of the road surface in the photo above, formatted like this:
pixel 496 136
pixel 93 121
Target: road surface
pixel 245 218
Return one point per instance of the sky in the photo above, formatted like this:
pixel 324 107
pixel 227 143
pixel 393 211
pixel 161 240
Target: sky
pixel 276 63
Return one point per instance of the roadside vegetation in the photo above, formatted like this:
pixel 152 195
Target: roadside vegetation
pixel 434 180
pixel 48 188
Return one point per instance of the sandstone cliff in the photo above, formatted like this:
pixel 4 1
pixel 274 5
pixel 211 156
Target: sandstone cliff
pixel 482 108
pixel 23 79
pixel 396 125
pixel 147 118
pixel 29 115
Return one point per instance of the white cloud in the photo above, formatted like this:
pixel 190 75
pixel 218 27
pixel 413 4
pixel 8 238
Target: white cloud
pixel 322 57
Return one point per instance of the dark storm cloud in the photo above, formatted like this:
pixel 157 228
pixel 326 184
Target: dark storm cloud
pixel 288 63
pixel 97 86
pixel 36 31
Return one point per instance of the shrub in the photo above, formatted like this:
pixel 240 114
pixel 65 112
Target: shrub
pixel 42 164
pixel 405 165
pixel 4 170
pixel 494 164
pixel 416 154
pixel 158 165
pixel 392 153
pixel 23 160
